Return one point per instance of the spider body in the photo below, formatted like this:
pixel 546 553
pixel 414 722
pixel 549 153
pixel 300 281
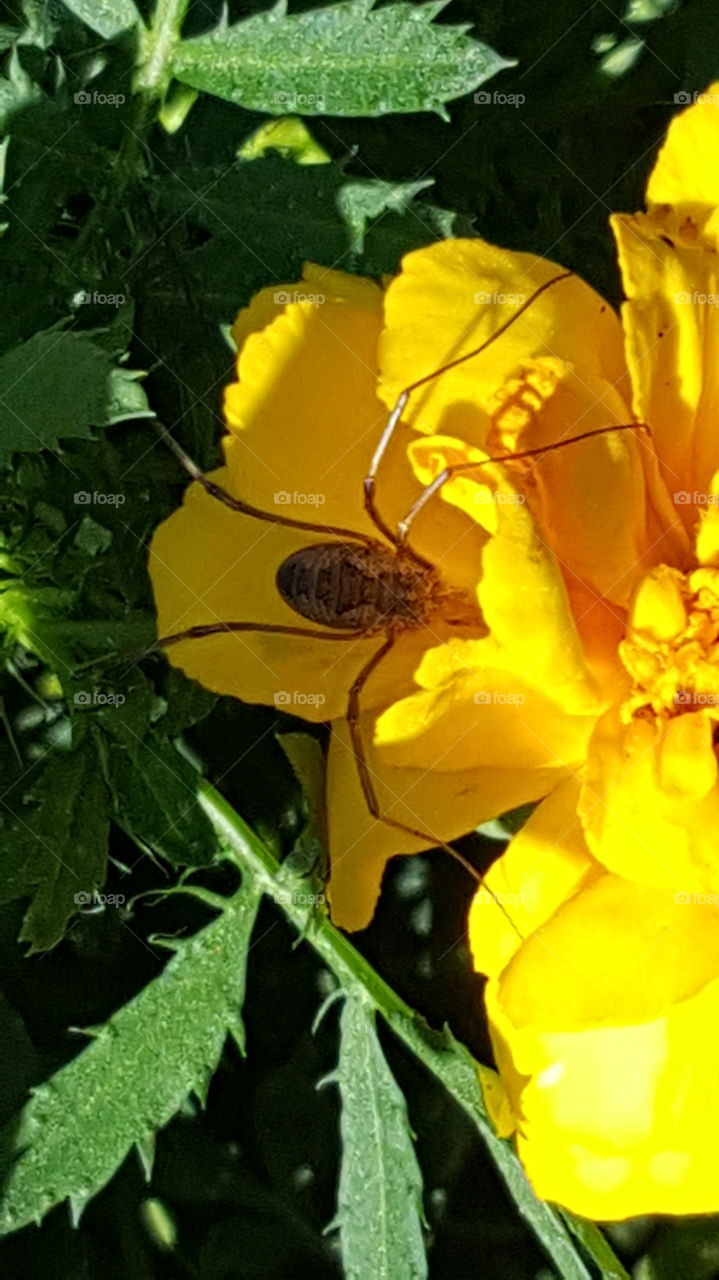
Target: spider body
pixel 357 586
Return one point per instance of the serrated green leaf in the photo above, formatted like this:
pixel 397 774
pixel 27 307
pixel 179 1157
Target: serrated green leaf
pixel 57 386
pixel 135 1075
pixel 379 1210
pixel 58 849
pixel 107 17
pixel 344 60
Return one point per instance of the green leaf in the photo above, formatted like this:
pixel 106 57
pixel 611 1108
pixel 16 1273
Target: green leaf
pixel 57 386
pixel 380 1189
pixel 308 763
pixel 596 1247
pixel 58 850
pixel 344 60
pixel 107 17
pixel 155 794
pixel 273 211
pixel 78 1127
pixel 17 90
pixel 18 1064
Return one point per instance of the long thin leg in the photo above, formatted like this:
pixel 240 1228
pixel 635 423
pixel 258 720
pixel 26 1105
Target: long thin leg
pixel 214 629
pixel 370 481
pixel 439 481
pixel 235 504
pixel 274 628
pixel 368 789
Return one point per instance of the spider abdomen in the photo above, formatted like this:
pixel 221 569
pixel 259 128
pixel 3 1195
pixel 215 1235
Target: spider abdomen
pixel 351 587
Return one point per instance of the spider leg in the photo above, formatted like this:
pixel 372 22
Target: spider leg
pixel 245 508
pixel 440 480
pixel 370 481
pixel 273 628
pixel 368 788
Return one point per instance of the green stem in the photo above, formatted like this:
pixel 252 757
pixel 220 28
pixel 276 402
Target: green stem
pixel 152 76
pixel 448 1060
pixel 155 45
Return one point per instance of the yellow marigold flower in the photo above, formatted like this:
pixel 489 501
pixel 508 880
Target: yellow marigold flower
pixel 602 1001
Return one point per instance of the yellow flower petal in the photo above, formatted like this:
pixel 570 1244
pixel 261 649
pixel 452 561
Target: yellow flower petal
pixel 525 604
pixel 444 805
pixel 649 801
pixel 305 417
pixel 545 863
pixel 304 414
pixel 658 607
pixel 685 174
pixel 481 717
pixel 671 321
pixel 497 1102
pixel 707 535
pixel 452 296
pixel 604 1026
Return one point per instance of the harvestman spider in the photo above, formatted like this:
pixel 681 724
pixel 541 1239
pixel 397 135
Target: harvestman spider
pixel 357 586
